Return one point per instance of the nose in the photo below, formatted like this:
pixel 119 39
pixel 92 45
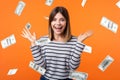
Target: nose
pixel 58 22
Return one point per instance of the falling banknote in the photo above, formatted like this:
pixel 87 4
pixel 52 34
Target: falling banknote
pixel 105 63
pixel 78 75
pixel 49 2
pixel 42 41
pixel 87 49
pixel 118 4
pixel 83 3
pixel 20 8
pixel 8 41
pixel 37 67
pixel 12 71
pixel 28 25
pixel 109 24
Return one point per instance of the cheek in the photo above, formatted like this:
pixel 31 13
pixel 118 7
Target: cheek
pixel 51 25
pixel 64 24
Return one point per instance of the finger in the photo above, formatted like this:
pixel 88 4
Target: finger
pixel 80 35
pixel 90 33
pixel 26 33
pixel 34 34
pixel 27 30
pixel 23 36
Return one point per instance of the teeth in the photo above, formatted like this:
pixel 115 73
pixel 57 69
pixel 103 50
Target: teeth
pixel 58 27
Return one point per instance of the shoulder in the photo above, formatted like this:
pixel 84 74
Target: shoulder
pixel 43 38
pixel 73 38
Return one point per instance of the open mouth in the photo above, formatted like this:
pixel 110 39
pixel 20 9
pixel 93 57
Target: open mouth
pixel 58 27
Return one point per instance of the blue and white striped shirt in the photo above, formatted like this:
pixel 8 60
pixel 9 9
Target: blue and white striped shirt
pixel 58 58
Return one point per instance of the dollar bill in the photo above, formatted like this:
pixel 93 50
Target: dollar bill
pixel 28 25
pixel 12 71
pixel 20 8
pixel 83 3
pixel 42 41
pixel 110 25
pixel 105 63
pixel 87 49
pixel 10 40
pixel 49 2
pixel 37 68
pixel 118 4
pixel 78 75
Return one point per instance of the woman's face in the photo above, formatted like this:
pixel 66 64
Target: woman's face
pixel 58 24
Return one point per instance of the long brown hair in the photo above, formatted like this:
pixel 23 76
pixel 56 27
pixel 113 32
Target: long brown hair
pixel 67 31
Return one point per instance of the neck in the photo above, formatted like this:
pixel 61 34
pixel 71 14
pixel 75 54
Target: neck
pixel 58 38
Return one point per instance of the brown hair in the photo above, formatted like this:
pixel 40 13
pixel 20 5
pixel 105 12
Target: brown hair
pixel 67 31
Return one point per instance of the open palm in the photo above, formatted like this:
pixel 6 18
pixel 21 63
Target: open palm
pixel 26 34
pixel 84 36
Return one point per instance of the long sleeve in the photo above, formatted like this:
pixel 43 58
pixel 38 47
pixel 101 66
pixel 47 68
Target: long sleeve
pixel 75 55
pixel 38 56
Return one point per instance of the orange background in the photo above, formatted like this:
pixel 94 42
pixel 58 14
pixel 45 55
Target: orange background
pixel 103 42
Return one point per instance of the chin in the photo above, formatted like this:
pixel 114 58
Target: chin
pixel 58 33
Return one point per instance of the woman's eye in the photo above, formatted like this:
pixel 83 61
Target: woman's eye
pixel 58 19
pixel 62 19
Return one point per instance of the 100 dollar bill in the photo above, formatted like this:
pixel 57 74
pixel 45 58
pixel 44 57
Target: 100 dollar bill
pixel 20 8
pixel 37 68
pixel 78 75
pixel 105 63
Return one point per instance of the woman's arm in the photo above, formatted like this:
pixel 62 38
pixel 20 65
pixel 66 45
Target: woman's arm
pixel 76 55
pixel 35 49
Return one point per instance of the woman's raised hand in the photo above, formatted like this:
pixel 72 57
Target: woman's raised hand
pixel 31 37
pixel 84 36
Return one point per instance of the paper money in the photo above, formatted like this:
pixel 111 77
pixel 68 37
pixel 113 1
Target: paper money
pixel 8 41
pixel 87 49
pixel 37 68
pixel 12 71
pixel 42 41
pixel 105 63
pixel 118 4
pixel 78 75
pixel 109 24
pixel 20 8
pixel 28 25
pixel 83 3
pixel 49 2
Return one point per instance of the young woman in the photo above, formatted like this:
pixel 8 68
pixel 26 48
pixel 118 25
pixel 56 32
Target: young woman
pixel 62 53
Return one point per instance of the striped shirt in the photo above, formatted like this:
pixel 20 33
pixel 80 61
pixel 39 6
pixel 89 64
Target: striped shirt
pixel 58 58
